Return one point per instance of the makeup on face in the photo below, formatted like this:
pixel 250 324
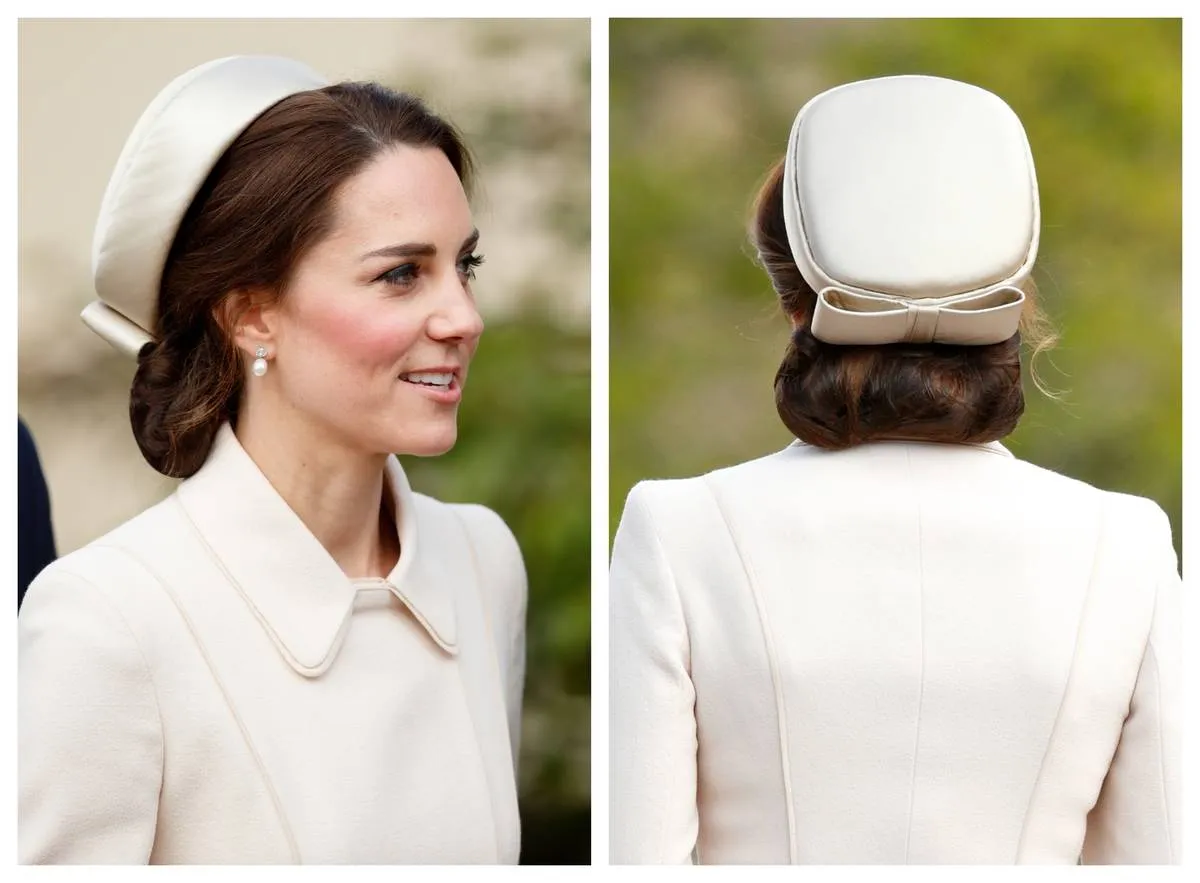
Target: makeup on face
pixel 381 312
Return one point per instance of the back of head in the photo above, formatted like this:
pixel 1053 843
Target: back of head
pixel 899 233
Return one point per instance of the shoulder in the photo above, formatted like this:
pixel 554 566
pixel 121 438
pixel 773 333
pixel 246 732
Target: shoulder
pixel 1125 530
pixel 1142 513
pixel 680 498
pixel 498 556
pixel 83 611
pixel 489 542
pixel 657 498
pixel 662 516
pixel 485 530
pixel 111 570
pixel 1140 524
pixel 495 548
pixel 1133 515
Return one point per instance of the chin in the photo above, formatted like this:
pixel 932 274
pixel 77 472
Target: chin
pixel 432 441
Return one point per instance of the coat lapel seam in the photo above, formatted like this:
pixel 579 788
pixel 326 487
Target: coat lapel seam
pixel 273 794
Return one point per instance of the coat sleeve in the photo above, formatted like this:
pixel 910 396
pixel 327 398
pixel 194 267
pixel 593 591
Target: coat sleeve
pixel 653 814
pixel 1136 817
pixel 88 730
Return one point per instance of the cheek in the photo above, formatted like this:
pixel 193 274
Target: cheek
pixel 362 337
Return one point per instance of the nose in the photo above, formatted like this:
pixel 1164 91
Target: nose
pixel 455 318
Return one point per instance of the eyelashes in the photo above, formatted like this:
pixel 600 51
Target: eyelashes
pixel 405 275
pixel 467 264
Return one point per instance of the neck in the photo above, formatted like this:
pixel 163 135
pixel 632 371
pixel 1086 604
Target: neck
pixel 337 491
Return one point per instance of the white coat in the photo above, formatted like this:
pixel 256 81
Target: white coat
pixel 205 685
pixel 897 653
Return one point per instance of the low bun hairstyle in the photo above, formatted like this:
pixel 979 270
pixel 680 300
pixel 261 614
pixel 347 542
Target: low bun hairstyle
pixel 836 396
pixel 268 200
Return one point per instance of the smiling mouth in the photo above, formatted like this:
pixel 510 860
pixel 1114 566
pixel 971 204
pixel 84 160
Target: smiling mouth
pixel 432 379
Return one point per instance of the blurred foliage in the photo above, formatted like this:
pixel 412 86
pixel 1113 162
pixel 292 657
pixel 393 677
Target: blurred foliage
pixel 701 109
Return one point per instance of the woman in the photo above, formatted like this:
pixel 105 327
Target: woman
pixel 295 657
pixel 894 642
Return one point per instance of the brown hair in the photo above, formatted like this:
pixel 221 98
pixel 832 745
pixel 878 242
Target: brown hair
pixel 835 396
pixel 266 202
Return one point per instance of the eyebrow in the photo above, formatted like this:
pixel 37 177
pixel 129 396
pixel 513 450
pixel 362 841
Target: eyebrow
pixel 418 249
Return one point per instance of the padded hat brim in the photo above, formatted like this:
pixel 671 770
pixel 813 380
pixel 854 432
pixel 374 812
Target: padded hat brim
pixel 168 155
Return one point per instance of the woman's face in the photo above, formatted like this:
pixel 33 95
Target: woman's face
pixel 374 334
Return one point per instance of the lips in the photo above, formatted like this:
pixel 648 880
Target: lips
pixel 441 383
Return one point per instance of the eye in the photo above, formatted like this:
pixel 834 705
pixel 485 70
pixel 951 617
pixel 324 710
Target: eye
pixel 467 265
pixel 402 276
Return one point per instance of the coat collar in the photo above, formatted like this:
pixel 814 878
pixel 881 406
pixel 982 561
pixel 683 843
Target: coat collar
pixel 294 587
pixel 994 446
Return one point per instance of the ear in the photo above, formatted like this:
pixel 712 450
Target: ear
pixel 249 318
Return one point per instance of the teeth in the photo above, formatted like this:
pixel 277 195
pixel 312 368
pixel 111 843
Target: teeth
pixel 429 379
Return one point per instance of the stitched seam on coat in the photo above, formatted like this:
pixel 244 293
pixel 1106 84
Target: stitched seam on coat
pixel 515 671
pixel 271 792
pixel 487 616
pixel 500 680
pixel 162 741
pixel 912 784
pixel 276 639
pixel 773 666
pixel 662 556
pixel 1062 701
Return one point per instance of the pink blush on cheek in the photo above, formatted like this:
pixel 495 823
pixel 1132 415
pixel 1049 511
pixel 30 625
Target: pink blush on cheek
pixel 362 336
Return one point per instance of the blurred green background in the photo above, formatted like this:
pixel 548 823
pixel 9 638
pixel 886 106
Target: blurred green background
pixel 701 109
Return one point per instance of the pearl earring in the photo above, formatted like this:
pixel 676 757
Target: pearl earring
pixel 260 362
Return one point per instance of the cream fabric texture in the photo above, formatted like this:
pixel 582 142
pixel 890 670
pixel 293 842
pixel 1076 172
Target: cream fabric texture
pixel 898 653
pixel 204 685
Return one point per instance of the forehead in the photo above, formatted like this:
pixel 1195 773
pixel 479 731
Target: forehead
pixel 404 194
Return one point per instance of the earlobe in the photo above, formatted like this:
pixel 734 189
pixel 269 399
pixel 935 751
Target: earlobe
pixel 246 317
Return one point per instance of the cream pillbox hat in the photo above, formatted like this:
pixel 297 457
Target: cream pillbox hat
pixel 173 147
pixel 911 207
